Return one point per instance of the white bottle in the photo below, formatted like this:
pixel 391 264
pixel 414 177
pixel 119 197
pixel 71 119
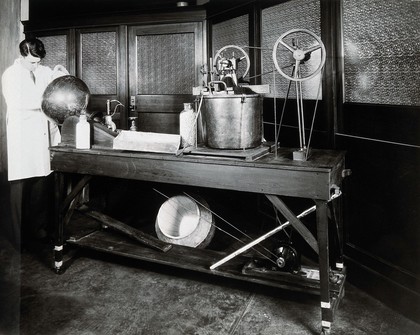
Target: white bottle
pixel 83 133
pixel 187 126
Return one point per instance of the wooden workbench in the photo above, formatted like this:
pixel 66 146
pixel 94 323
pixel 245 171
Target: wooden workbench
pixel 318 179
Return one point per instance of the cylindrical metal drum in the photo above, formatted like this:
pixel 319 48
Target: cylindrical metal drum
pixel 182 220
pixel 232 121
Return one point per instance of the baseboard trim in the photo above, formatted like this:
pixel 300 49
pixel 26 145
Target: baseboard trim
pixel 392 294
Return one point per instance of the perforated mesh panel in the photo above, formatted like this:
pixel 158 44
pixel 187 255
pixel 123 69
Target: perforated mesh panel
pixel 277 20
pixel 382 51
pixel 99 62
pixel 232 32
pixel 165 64
pixel 56 48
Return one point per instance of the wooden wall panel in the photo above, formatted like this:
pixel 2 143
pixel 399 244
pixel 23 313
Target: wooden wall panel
pixel 378 126
pixel 9 51
pixel 382 232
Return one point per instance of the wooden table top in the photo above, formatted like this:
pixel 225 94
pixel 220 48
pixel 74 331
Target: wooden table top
pixel 269 174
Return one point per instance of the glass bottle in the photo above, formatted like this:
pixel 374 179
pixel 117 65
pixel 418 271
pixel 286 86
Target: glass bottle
pixel 188 126
pixel 83 133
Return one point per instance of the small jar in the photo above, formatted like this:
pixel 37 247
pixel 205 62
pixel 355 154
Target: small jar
pixel 188 126
pixel 83 133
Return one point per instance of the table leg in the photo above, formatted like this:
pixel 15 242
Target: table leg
pixel 58 221
pixel 64 207
pixel 324 266
pixel 337 219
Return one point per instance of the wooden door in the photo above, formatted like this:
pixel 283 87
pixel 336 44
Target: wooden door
pixel 164 64
pixel 101 56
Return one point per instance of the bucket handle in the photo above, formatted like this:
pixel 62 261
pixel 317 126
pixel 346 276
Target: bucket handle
pixel 211 84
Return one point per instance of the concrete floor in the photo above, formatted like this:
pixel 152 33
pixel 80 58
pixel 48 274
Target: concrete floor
pixel 100 295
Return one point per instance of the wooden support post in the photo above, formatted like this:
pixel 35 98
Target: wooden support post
pixel 64 212
pixel 324 266
pixel 337 218
pixel 75 191
pixel 59 224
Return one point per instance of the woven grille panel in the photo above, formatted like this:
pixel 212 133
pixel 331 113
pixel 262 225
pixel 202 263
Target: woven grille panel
pixel 99 62
pixel 382 51
pixel 232 32
pixel 165 64
pixel 277 20
pixel 56 47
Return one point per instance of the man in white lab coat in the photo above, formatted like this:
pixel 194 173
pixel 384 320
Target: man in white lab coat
pixel 29 136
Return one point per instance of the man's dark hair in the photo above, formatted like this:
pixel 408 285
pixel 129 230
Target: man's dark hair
pixel 32 46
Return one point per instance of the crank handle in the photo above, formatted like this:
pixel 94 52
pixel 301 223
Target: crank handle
pixel 335 192
pixel 345 173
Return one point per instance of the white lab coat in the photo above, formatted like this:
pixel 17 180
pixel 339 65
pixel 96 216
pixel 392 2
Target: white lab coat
pixel 29 133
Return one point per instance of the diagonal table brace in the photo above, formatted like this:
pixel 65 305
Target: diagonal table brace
pixel 276 201
pixel 294 221
pixel 263 237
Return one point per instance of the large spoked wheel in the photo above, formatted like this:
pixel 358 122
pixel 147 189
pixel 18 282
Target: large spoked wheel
pixel 300 44
pixel 229 52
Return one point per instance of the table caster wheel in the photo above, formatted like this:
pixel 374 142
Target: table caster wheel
pixel 59 271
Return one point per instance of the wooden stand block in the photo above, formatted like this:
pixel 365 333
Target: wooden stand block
pixel 101 136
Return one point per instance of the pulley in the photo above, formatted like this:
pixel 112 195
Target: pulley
pixel 304 52
pixel 287 257
pixel 229 66
pixel 301 43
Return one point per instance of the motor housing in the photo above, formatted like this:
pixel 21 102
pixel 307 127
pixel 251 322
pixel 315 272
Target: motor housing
pixel 287 257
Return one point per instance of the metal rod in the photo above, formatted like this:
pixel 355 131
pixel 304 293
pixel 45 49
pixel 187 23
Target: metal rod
pixel 284 104
pixel 222 230
pixel 298 114
pixel 232 226
pixel 275 115
pixel 265 236
pixel 260 239
pixel 315 110
pixel 302 115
